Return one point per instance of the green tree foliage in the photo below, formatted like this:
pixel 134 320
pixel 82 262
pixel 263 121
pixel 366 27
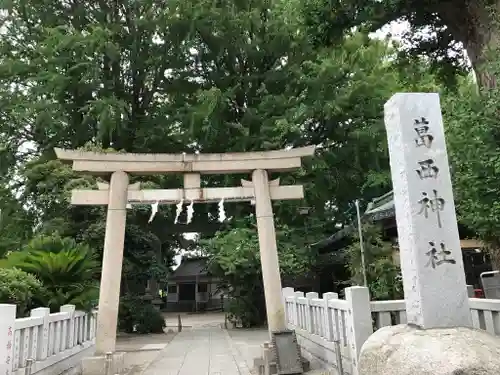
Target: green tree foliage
pixel 90 70
pixel 68 271
pixel 474 140
pixel 15 223
pixel 382 274
pixel 235 260
pixel 93 73
pixel 339 102
pixel 232 77
pixel 189 76
pixel 19 288
pixel 439 30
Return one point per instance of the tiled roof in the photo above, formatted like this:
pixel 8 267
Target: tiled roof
pixel 191 267
pixel 378 209
pixel 381 207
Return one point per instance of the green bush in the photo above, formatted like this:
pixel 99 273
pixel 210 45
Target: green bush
pixel 18 287
pixel 235 261
pixel 247 310
pixel 137 316
pixel 383 276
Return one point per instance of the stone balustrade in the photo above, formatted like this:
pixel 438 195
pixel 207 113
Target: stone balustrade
pixel 331 331
pixel 45 343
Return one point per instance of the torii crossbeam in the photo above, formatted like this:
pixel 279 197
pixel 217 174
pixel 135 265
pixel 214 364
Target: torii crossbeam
pixel 84 197
pixel 118 194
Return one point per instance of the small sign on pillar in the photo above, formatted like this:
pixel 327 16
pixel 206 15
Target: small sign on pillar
pixel 7 335
pixel 431 256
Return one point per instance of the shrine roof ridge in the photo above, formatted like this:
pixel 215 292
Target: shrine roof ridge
pixel 79 155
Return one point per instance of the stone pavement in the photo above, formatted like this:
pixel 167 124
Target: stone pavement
pixel 140 350
pixel 201 351
pixel 202 320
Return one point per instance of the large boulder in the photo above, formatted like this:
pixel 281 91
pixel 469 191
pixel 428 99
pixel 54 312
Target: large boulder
pixel 408 350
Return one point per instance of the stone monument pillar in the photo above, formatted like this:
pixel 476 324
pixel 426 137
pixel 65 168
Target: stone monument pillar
pixel 268 252
pixel 431 257
pixel 109 294
pixel 438 337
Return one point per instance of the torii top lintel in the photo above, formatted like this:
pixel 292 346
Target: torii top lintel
pixel 239 162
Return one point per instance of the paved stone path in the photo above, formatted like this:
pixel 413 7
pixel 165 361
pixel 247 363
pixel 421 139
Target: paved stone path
pixel 202 351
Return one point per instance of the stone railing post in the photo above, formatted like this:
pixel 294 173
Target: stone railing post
pixel 470 291
pixel 70 329
pixel 327 316
pixel 360 320
pixel 288 292
pixel 93 324
pixel 297 295
pixel 7 324
pixel 43 333
pixel 309 311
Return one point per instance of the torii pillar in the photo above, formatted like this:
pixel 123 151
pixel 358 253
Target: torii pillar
pixel 119 193
pixel 268 252
pixel 114 240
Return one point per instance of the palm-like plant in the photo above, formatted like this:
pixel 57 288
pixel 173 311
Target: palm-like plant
pixel 67 270
pixel 67 267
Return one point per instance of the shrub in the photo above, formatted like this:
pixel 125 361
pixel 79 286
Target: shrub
pixel 383 276
pixel 137 316
pixel 18 287
pixel 235 261
pixel 248 311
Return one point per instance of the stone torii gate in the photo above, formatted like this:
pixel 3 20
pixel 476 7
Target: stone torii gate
pixel 119 193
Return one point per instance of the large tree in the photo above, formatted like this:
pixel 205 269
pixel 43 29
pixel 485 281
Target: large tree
pixel 15 222
pixel 146 76
pixel 75 72
pixel 188 76
pixel 438 29
pixel 474 140
pixel 93 75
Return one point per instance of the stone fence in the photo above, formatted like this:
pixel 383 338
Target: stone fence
pixel 45 343
pixel 331 331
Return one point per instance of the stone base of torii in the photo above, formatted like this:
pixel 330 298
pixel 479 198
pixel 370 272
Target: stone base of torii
pixel 119 194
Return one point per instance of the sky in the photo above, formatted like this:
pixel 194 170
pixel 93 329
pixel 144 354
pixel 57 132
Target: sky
pixel 395 29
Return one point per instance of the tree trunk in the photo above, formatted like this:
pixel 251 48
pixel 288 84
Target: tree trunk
pixel 476 24
pixel 483 55
pixel 494 253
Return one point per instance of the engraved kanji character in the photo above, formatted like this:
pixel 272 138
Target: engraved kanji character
pixel 435 204
pixel 436 258
pixel 424 138
pixel 427 169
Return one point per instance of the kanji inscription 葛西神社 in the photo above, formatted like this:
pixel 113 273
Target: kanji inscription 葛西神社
pixel 431 260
